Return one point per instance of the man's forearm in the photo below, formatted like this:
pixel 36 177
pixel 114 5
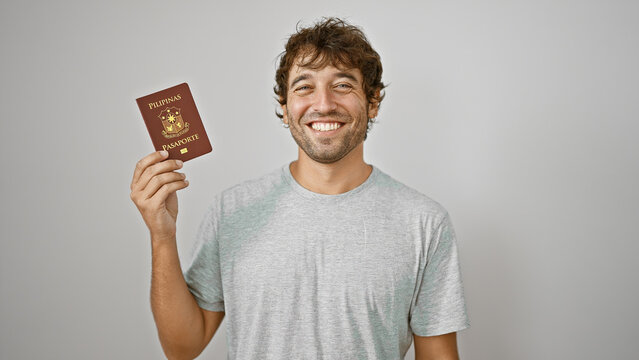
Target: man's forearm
pixel 177 315
pixel 440 347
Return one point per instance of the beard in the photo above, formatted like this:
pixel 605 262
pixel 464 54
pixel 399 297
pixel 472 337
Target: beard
pixel 330 149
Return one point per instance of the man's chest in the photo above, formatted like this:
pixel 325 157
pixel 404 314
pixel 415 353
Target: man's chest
pixel 365 261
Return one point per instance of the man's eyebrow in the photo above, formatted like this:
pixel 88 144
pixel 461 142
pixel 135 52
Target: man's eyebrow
pixel 350 76
pixel 341 74
pixel 300 78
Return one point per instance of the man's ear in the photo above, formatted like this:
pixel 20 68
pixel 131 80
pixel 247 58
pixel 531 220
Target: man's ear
pixel 373 106
pixel 284 114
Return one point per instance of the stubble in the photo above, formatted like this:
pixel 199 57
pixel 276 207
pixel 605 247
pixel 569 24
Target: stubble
pixel 330 149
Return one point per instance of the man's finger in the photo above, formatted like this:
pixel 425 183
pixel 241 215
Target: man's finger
pixel 160 180
pixel 160 196
pixel 154 170
pixel 145 162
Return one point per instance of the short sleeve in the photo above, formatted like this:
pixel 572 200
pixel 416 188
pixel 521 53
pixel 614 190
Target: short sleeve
pixel 439 306
pixel 203 275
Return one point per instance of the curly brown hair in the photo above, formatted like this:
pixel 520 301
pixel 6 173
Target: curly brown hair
pixel 331 41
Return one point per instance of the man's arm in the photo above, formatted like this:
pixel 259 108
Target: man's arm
pixel 441 347
pixel 183 327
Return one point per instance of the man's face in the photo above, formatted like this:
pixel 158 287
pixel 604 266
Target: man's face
pixel 327 111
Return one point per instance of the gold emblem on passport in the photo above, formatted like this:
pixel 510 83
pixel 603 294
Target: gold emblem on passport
pixel 173 123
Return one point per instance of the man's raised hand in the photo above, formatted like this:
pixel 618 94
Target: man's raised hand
pixel 153 190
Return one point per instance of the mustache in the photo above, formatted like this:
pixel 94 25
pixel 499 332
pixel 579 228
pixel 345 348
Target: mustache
pixel 333 115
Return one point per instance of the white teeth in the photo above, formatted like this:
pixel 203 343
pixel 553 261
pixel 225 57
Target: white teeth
pixel 326 126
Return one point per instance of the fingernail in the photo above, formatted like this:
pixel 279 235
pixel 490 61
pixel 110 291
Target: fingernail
pixel 179 162
pixel 164 153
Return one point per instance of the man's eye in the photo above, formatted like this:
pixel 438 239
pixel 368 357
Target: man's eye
pixel 343 87
pixel 303 87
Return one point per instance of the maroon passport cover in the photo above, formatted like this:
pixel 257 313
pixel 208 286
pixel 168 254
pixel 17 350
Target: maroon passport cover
pixel 174 123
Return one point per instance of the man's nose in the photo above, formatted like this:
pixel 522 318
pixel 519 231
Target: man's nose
pixel 324 101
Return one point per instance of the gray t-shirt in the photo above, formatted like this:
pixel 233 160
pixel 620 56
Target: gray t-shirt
pixel 303 275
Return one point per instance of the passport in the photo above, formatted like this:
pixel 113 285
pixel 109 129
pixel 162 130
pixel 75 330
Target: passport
pixel 174 122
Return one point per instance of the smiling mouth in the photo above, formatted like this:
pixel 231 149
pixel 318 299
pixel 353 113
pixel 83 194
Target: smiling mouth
pixel 325 126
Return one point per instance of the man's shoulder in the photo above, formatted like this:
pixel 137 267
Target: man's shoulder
pixel 252 190
pixel 401 196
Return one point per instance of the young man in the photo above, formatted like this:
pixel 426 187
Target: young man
pixel 325 258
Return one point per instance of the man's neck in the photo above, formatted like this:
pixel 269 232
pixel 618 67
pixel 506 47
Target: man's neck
pixel 331 179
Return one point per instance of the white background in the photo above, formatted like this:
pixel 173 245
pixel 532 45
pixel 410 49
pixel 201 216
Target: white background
pixel 520 117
